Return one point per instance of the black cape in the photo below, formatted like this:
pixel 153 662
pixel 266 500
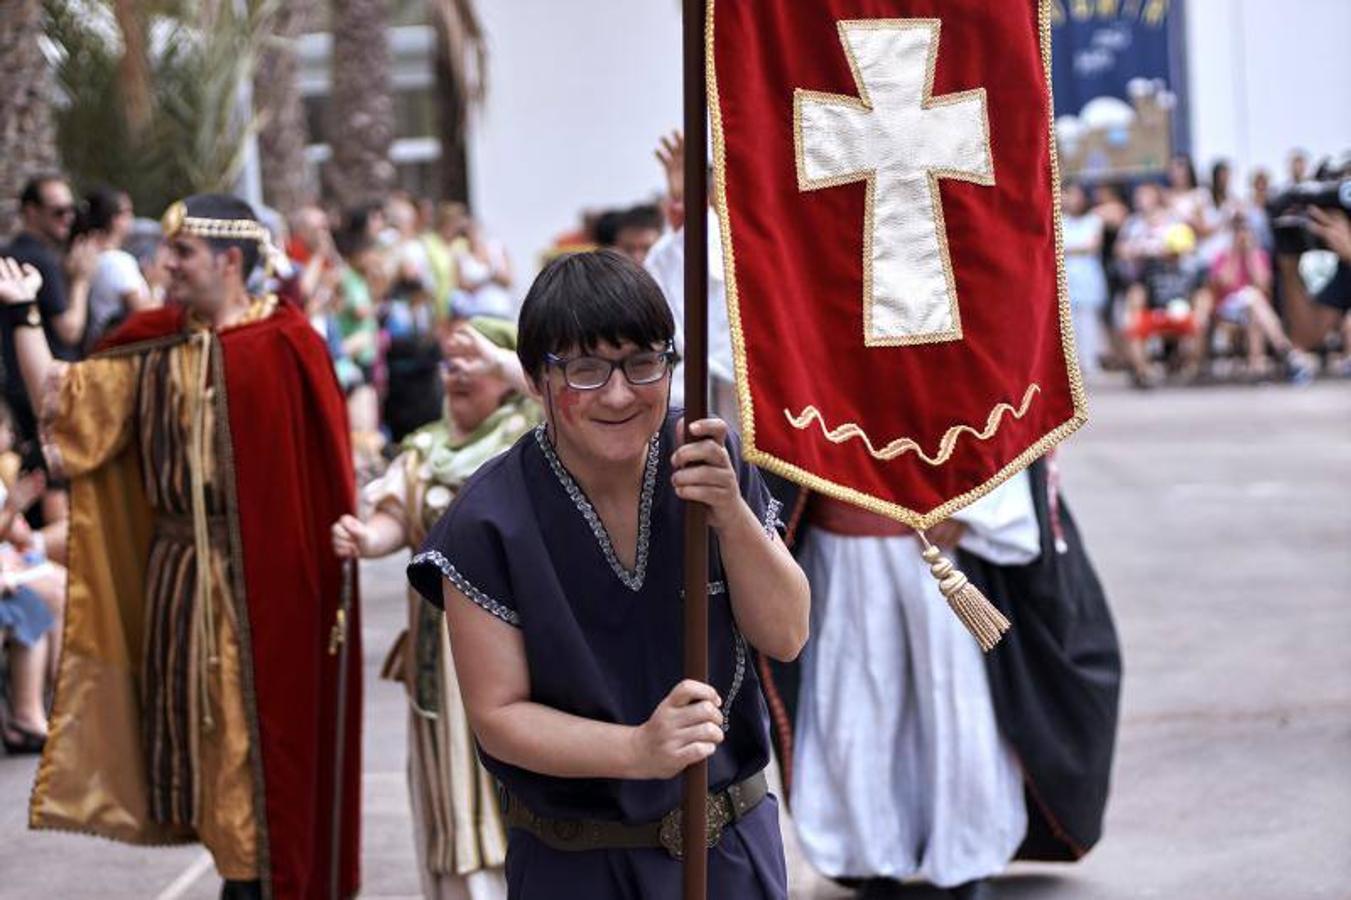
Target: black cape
pixel 1055 679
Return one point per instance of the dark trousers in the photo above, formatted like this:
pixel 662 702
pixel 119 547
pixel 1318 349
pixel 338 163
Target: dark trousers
pixel 242 890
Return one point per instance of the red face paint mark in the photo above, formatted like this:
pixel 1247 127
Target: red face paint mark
pixel 568 398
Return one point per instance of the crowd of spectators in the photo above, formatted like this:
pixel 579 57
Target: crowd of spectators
pixel 72 249
pixel 1194 281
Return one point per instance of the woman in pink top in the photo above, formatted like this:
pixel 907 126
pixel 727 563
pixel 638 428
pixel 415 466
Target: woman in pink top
pixel 1240 279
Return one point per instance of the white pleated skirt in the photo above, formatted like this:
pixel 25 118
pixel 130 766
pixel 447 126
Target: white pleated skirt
pixel 899 767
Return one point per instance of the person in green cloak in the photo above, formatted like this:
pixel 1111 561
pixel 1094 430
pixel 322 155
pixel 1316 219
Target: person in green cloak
pixel 458 829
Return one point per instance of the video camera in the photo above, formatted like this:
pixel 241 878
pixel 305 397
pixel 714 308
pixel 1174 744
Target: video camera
pixel 1289 210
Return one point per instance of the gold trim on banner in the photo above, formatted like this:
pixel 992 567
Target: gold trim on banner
pixel 947 445
pixel 1068 346
pixel 869 177
pixel 756 455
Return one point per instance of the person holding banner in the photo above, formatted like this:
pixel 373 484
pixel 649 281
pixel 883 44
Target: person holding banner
pixel 559 568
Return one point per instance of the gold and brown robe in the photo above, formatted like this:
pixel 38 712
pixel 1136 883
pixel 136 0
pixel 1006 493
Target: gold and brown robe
pixel 155 412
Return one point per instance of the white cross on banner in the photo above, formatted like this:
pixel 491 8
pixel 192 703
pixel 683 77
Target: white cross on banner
pixel 900 139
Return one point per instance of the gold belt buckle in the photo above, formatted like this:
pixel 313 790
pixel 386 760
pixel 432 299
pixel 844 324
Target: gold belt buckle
pixel 718 812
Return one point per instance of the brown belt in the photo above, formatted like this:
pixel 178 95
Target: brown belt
pixel 724 808
pixel 179 528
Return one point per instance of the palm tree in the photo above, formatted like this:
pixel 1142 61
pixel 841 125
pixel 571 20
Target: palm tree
pixel 461 80
pixel 285 132
pixel 133 70
pixel 362 127
pixel 27 136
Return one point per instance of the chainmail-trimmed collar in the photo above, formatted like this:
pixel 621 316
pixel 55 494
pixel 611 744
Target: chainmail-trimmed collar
pixel 633 580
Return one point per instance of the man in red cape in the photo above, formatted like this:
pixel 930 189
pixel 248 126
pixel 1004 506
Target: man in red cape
pixel 200 702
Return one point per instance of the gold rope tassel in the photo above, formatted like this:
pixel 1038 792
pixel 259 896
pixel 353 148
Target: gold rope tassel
pixel 986 624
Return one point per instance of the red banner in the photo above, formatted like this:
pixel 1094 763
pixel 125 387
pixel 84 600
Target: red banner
pixel 888 194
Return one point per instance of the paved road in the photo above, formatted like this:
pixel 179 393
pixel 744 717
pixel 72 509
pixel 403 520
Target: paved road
pixel 1221 522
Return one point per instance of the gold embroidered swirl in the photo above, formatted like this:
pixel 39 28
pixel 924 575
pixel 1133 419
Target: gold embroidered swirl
pixel 946 447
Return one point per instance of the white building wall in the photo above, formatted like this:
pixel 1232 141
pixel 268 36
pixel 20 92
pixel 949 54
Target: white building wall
pixel 579 93
pixel 1267 76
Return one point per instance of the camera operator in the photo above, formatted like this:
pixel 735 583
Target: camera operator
pixel 1308 217
pixel 1333 228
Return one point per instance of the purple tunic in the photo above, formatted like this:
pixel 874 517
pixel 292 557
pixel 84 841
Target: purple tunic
pixel 524 543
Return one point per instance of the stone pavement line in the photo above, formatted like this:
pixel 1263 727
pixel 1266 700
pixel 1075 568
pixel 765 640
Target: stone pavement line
pixel 180 885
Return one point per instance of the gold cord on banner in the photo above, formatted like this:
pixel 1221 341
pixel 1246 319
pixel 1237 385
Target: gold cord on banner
pixel 947 445
pixel 986 624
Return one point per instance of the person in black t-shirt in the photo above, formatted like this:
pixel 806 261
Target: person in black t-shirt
pixel 47 208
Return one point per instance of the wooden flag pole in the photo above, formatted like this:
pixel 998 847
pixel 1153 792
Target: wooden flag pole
pixel 696 407
pixel 340 645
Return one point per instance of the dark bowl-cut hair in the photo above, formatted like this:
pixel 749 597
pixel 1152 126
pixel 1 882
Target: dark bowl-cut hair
pixel 584 299
pixel 226 207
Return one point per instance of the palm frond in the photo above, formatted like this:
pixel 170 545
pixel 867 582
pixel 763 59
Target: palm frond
pixel 200 55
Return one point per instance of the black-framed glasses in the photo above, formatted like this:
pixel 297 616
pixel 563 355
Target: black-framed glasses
pixel 590 373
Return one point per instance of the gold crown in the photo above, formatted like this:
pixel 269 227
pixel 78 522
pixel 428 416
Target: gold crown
pixel 177 221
